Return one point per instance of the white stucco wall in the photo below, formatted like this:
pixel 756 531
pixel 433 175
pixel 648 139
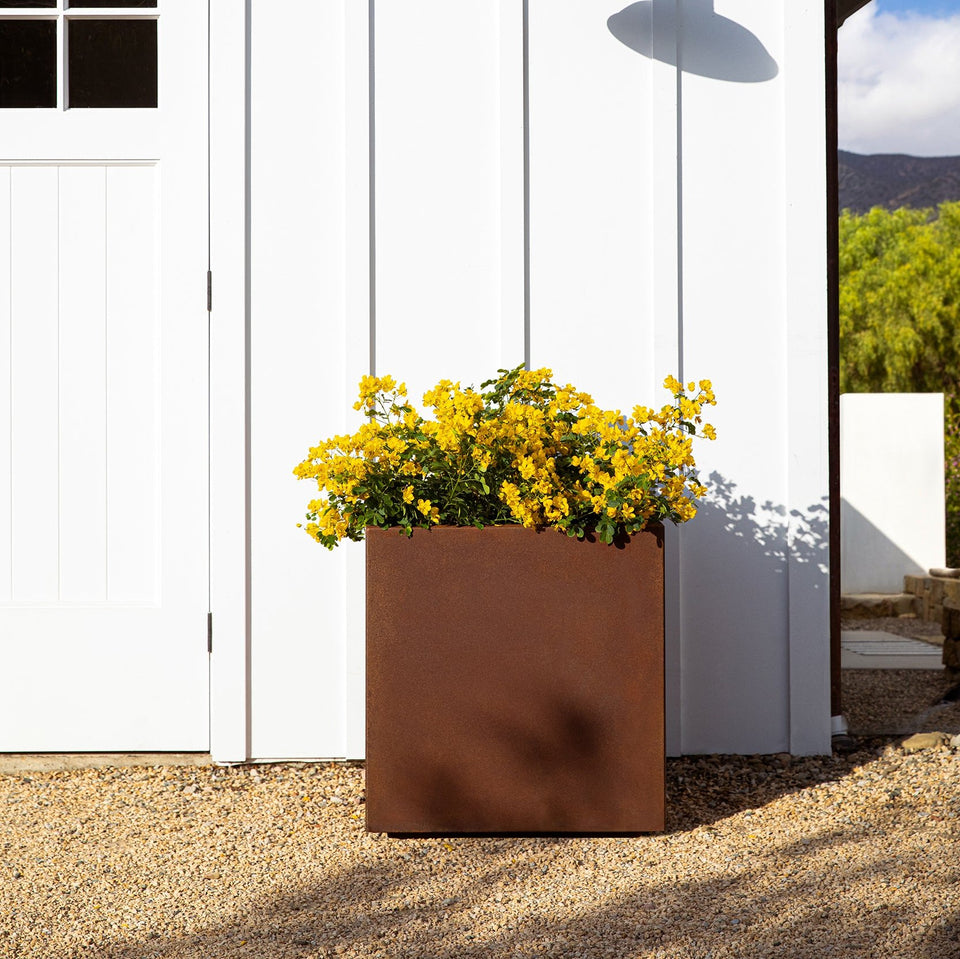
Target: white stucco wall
pixel 892 517
pixel 675 223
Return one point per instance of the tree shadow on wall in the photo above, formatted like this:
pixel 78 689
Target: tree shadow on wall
pixel 772 540
pixel 754 575
pixel 769 529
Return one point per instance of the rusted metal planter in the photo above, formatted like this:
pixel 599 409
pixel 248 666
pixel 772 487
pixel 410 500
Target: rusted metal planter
pixel 514 682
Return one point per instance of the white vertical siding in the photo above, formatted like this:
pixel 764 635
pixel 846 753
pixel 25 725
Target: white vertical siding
pixel 672 228
pixel 229 397
pixel 664 303
pixel 438 216
pixel 734 577
pixel 805 303
pixel 358 341
pixel 448 295
pixel 591 182
pixel 512 173
pixel 297 372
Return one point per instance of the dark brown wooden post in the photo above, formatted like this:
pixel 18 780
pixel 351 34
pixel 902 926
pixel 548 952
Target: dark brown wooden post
pixel 833 346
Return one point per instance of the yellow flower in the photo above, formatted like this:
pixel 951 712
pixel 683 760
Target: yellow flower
pixel 557 457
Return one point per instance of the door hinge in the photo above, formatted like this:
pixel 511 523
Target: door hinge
pixel 209 291
pixel 209 632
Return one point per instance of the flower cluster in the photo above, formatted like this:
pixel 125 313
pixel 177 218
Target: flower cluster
pixel 521 450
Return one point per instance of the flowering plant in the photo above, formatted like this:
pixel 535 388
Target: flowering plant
pixel 522 450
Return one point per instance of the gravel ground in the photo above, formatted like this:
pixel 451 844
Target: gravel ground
pixel 850 856
pixel 899 701
pixel 890 702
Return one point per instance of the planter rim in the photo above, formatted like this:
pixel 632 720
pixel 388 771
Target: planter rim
pixel 654 526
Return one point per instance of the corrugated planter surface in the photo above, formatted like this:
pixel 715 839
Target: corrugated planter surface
pixel 514 682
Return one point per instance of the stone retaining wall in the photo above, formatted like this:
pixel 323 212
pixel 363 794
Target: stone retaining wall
pixel 951 638
pixel 931 591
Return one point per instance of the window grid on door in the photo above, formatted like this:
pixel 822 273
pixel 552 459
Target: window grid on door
pixel 77 54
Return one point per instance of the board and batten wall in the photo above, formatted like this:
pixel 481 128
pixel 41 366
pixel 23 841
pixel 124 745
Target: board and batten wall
pixel 438 190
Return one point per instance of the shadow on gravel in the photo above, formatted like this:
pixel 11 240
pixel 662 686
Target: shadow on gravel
pixel 704 789
pixel 382 912
pixel 751 898
pixel 900 702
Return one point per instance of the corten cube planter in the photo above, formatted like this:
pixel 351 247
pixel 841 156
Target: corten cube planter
pixel 514 682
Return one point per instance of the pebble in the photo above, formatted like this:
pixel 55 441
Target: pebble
pixel 143 863
pixel 918 741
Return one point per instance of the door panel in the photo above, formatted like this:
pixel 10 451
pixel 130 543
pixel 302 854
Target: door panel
pixel 83 389
pixel 33 383
pixel 103 431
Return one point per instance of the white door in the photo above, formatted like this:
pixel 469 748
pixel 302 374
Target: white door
pixel 103 375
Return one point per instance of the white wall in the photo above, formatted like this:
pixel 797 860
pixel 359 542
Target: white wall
pixel 892 517
pixel 754 575
pixel 676 223
pixel 302 368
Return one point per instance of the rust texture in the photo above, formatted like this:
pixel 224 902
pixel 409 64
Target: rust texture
pixel 514 682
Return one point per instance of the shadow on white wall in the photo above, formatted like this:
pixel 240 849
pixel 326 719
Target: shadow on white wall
pixel 873 562
pixel 712 46
pixel 776 536
pixel 755 616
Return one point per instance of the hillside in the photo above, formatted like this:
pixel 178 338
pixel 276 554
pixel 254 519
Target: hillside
pixel 895 180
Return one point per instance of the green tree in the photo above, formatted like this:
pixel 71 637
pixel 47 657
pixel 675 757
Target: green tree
pixel 899 301
pixel 900 318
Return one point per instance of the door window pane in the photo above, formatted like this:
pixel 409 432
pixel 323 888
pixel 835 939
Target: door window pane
pixel 112 63
pixel 28 63
pixel 6 4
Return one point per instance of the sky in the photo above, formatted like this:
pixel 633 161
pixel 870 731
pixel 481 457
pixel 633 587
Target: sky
pixel 899 78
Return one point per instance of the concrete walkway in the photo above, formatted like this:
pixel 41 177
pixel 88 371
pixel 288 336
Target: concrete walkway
pixel 873 649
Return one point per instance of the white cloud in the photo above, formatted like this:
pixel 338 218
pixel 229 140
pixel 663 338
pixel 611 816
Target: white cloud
pixel 899 84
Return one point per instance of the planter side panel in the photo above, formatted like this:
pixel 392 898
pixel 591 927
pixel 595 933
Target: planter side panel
pixel 514 682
